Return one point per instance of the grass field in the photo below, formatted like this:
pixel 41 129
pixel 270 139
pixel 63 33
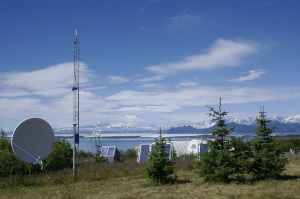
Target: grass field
pixel 126 180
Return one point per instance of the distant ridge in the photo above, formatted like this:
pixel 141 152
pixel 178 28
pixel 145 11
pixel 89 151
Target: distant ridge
pixel 283 125
pixel 279 128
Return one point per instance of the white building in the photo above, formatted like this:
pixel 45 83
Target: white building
pixel 197 147
pixel 181 148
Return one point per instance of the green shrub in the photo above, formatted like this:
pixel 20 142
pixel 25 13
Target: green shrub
pixel 218 163
pixel 100 159
pixel 85 154
pixel 5 144
pixel 60 157
pixel 268 160
pixel 128 154
pixel 9 163
pixel 288 143
pixel 241 155
pixel 159 168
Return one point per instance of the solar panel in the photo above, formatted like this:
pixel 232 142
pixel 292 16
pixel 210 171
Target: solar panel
pixel 167 149
pixel 153 147
pixel 111 151
pixel 203 148
pixel 144 153
pixel 104 151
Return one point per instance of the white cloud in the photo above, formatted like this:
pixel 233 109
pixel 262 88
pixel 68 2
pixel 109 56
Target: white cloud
pixel 223 53
pixel 250 75
pixel 93 88
pixel 52 81
pixel 149 108
pixel 187 83
pixel 150 79
pixel 167 101
pixel 185 21
pixel 45 93
pixel 26 94
pixel 117 79
pixel 150 85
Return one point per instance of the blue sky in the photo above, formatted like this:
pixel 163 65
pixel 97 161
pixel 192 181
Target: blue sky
pixel 148 61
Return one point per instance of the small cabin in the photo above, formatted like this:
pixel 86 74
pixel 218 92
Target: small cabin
pixel 111 153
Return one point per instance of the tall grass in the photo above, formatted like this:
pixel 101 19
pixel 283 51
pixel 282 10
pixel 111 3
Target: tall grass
pixel 126 180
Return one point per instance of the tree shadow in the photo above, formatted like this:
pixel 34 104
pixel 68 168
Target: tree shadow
pixel 180 181
pixel 289 177
pixel 169 182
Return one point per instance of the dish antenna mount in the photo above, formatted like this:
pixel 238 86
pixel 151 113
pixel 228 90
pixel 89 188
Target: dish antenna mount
pixel 32 140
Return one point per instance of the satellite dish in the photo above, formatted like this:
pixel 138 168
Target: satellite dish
pixel 32 140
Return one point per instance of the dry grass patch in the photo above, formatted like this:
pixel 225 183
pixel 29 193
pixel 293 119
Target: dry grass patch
pixel 127 181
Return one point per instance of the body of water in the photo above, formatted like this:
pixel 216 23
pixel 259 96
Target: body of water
pixel 88 144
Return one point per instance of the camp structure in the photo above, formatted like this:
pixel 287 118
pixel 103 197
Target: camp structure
pixel 180 148
pixel 197 147
pixel 167 149
pixel 111 153
pixel 143 153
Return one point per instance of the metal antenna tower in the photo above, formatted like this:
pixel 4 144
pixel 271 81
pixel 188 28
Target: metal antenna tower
pixel 75 90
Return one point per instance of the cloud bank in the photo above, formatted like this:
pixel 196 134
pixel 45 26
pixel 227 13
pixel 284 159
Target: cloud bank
pixel 250 75
pixel 223 53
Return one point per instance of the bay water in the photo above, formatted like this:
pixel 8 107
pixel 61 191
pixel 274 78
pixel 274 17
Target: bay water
pixel 89 144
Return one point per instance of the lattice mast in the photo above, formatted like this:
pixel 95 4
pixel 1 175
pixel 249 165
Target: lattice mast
pixel 75 90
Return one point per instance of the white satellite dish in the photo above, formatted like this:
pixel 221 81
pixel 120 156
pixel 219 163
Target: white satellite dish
pixel 32 140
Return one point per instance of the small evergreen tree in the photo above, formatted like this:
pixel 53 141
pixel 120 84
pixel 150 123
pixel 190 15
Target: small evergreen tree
pixel 4 142
pixel 159 168
pixel 268 160
pixel 2 133
pixel 220 131
pixel 60 157
pixel 241 155
pixel 217 163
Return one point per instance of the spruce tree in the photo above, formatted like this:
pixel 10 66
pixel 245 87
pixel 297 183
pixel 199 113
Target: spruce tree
pixel 160 168
pixel 268 160
pixel 241 156
pixel 220 131
pixel 217 163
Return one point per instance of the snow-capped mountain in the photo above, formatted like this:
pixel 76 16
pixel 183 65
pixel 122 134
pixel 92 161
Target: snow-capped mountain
pixel 289 124
pixel 293 119
pixel 252 120
pixel 241 120
pixel 283 125
pixel 202 124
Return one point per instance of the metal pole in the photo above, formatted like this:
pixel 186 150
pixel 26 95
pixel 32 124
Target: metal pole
pixel 74 152
pixel 75 90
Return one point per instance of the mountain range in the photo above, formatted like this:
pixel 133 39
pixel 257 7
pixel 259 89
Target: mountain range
pixel 282 125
